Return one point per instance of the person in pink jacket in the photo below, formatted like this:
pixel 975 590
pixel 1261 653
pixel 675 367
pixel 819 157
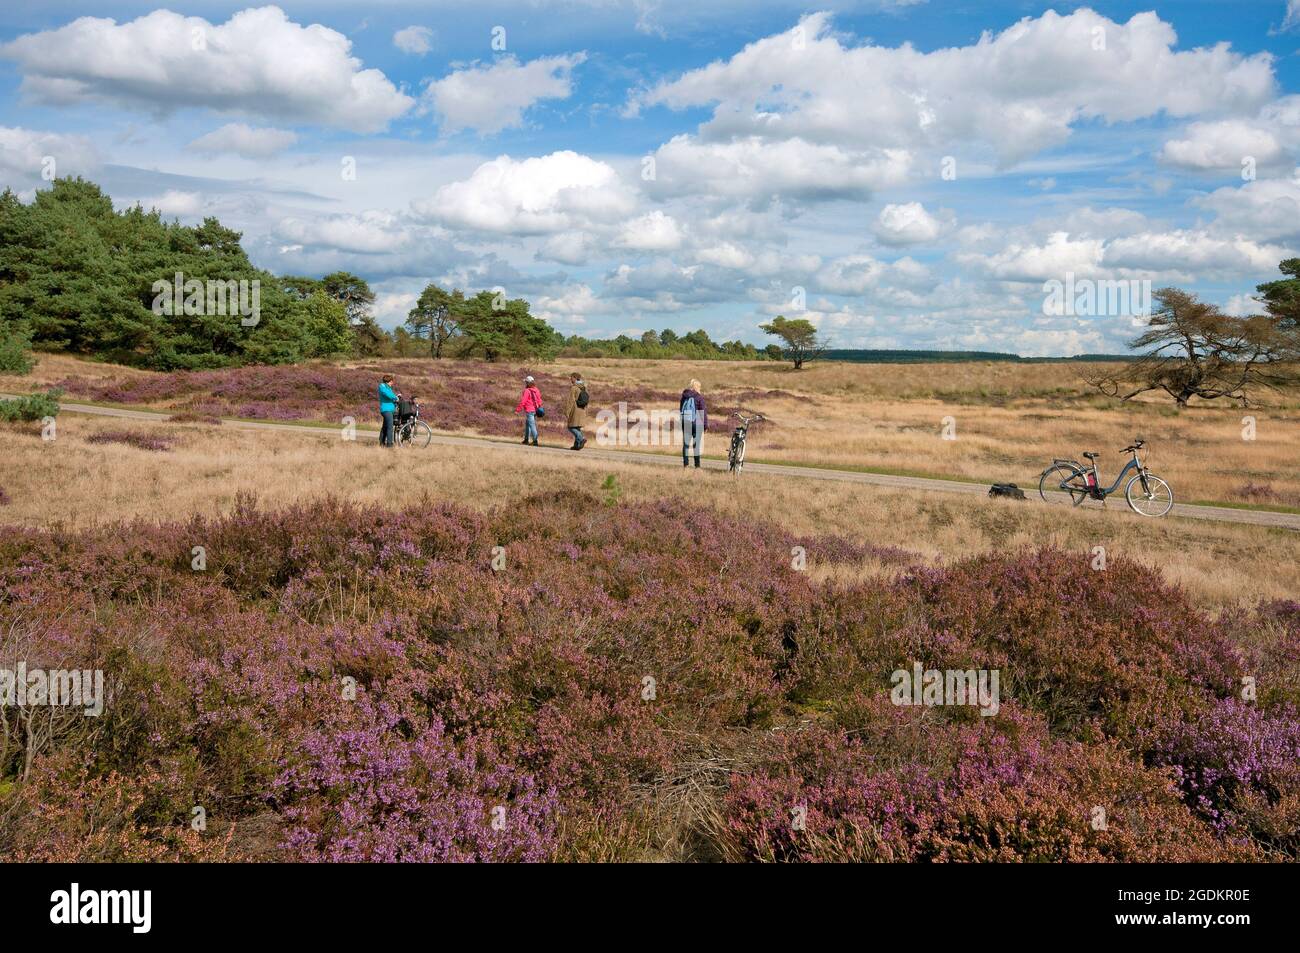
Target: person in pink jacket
pixel 530 405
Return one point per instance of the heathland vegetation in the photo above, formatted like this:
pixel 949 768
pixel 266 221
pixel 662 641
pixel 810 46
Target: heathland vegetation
pixel 632 680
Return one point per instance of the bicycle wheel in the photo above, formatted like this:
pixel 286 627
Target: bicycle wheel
pixel 420 434
pixel 1148 495
pixel 735 455
pixel 1063 484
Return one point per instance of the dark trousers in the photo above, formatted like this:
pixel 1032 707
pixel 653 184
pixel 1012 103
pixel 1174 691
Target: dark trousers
pixel 386 429
pixel 578 438
pixel 692 437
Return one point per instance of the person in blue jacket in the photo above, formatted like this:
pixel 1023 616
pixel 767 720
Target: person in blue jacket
pixel 387 407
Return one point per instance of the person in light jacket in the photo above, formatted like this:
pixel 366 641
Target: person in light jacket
pixel 387 407
pixel 695 421
pixel 575 416
pixel 530 402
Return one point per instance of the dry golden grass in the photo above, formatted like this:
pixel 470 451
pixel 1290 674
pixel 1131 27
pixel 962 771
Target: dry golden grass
pixel 1010 421
pixel 49 369
pixel 75 483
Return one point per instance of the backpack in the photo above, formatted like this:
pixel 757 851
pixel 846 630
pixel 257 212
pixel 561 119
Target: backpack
pixel 1007 489
pixel 583 400
pixel 688 409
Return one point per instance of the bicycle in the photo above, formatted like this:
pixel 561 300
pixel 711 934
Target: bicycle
pixel 411 431
pixel 736 452
pixel 1069 480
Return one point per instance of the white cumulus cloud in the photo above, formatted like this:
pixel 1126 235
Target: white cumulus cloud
pixel 653 231
pixel 258 63
pixel 793 168
pixel 908 224
pixel 552 193
pixel 488 99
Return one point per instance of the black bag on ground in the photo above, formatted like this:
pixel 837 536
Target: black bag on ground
pixel 1007 489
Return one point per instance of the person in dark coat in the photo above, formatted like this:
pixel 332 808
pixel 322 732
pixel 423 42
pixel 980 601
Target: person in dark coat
pixel 695 421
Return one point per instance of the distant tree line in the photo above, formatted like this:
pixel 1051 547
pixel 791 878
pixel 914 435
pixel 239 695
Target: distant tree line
pixel 668 345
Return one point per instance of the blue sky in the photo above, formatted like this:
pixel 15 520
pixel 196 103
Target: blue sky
pixel 904 173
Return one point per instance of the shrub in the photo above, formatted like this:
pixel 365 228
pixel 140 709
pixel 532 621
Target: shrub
pixel 31 407
pixel 132 438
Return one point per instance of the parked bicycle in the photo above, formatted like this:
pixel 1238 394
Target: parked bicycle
pixel 736 452
pixel 1073 482
pixel 411 430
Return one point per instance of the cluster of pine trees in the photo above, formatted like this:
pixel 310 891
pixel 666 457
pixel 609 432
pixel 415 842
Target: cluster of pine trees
pixel 79 276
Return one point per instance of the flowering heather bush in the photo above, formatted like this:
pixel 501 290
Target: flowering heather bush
pixel 350 683
pixel 368 793
pixel 1239 767
pixel 977 792
pixel 5 499
pixel 455 395
pixel 132 438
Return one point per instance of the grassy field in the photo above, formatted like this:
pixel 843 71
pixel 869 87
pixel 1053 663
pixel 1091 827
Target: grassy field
pixel 208 467
pixel 1006 421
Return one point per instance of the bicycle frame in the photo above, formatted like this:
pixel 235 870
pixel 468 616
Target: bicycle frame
pixel 1133 464
pixel 739 436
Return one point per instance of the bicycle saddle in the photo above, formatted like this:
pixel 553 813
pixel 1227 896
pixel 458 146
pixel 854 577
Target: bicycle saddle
pixel 1092 456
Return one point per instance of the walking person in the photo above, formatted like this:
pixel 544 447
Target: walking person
pixel 387 407
pixel 530 405
pixel 695 421
pixel 575 410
